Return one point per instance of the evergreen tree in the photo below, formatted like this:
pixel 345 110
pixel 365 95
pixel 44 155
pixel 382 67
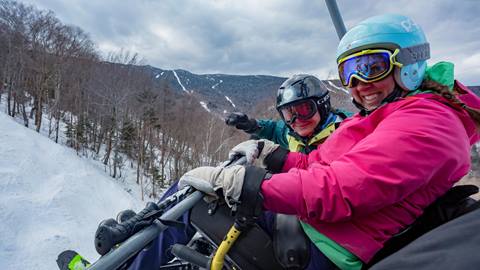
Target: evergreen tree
pixel 128 138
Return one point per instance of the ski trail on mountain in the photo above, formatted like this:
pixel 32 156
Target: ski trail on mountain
pixel 179 82
pixel 229 100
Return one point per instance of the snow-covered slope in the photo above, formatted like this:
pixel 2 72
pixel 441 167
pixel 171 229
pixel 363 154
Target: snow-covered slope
pixel 50 199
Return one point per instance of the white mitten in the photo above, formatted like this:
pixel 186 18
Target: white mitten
pixel 250 149
pixel 211 179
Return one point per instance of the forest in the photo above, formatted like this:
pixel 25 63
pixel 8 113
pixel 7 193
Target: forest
pixel 106 105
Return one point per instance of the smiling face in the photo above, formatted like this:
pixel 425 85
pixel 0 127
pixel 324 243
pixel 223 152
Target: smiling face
pixel 305 128
pixel 371 95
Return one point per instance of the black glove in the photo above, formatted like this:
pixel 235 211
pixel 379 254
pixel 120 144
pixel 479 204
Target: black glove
pixel 241 121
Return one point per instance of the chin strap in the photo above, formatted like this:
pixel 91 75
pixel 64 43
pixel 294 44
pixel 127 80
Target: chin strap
pixel 395 95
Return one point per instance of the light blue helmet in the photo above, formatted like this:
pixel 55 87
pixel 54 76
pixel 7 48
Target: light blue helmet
pixel 391 32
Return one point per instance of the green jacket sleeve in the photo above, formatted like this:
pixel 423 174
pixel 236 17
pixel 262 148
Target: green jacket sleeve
pixel 275 131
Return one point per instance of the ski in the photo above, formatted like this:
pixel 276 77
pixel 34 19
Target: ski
pixel 71 260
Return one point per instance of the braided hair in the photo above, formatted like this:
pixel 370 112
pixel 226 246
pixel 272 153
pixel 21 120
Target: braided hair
pixel 452 98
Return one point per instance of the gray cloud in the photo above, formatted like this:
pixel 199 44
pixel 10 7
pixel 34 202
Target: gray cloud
pixel 262 37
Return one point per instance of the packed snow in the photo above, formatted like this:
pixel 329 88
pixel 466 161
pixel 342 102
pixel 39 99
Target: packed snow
pixel 50 199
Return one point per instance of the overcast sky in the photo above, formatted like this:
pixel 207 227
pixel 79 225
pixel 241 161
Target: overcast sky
pixel 271 37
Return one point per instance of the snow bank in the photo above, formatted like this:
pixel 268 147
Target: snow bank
pixel 50 199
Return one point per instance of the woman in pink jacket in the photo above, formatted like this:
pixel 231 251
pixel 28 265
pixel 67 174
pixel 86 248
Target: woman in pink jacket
pixel 376 174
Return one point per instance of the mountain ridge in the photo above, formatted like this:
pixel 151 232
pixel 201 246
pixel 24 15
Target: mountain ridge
pixel 222 93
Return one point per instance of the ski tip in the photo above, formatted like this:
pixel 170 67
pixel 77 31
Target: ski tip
pixel 71 260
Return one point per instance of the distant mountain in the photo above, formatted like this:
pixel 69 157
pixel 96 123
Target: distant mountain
pixel 221 92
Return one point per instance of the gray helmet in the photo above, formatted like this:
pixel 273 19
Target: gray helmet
pixel 301 87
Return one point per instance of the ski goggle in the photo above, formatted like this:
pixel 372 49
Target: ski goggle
pixel 302 110
pixel 367 66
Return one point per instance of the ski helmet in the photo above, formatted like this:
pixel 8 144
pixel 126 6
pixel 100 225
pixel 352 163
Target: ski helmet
pixel 391 32
pixel 302 87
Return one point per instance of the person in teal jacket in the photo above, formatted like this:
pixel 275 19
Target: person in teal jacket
pixel 303 103
pixel 307 119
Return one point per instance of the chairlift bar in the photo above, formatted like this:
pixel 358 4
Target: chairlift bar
pixel 336 18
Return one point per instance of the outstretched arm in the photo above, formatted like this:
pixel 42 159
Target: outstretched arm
pixel 275 131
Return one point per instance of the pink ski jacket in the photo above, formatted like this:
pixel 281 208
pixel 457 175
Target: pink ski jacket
pixel 374 175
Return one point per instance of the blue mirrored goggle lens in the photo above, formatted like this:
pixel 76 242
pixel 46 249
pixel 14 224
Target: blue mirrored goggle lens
pixel 367 67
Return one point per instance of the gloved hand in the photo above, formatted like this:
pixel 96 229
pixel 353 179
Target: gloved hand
pixel 242 122
pixel 240 185
pixel 210 179
pixel 258 152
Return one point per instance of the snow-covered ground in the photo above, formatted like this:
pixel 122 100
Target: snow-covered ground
pixel 50 199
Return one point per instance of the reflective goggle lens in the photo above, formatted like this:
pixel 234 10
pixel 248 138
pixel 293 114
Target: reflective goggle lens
pixel 303 110
pixel 366 67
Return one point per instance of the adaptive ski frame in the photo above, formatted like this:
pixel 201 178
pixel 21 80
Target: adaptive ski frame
pixel 120 255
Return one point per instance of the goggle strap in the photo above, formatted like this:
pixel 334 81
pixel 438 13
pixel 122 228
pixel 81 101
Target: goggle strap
pixel 410 55
pixel 322 99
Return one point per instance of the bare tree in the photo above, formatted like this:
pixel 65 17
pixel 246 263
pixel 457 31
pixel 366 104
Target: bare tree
pixel 112 107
